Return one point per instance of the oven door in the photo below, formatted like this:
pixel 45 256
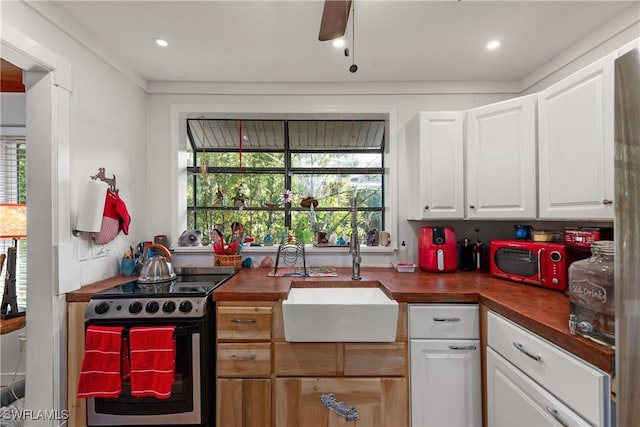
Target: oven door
pixel 183 408
pixel 518 264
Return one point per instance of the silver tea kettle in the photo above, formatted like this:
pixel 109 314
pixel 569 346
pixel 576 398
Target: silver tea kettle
pixel 156 268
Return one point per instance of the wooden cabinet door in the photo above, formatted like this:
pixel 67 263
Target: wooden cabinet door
pixel 243 403
pixel 575 147
pixel 435 165
pixel 380 402
pixel 500 157
pixel 445 383
pixel 514 399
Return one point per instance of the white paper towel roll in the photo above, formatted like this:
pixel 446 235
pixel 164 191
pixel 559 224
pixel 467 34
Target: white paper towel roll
pixel 91 206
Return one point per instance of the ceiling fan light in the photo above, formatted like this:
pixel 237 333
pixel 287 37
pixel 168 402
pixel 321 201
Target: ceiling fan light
pixel 339 42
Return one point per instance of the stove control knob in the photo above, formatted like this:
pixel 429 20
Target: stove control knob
pixel 152 307
pixel 169 307
pixel 102 308
pixel 135 307
pixel 185 306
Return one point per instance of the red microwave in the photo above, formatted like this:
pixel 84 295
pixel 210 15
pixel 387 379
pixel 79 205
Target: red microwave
pixel 536 263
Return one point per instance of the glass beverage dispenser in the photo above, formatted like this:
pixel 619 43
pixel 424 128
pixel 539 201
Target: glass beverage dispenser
pixel 592 311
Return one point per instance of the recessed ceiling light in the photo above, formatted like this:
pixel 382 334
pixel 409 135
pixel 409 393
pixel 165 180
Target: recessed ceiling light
pixel 493 44
pixel 338 42
pixel 161 42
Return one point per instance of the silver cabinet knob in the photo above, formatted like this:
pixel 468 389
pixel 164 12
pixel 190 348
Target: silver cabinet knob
pixel 607 202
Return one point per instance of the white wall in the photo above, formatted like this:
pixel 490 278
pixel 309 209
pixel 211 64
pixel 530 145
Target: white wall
pixel 106 128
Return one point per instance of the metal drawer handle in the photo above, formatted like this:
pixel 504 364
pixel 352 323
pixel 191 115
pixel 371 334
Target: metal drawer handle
pixel 556 416
pixel 464 347
pixel 348 413
pixel 521 348
pixel 247 357
pixel 607 202
pixel 446 319
pixel 244 321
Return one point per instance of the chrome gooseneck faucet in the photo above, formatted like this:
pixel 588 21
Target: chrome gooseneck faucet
pixel 355 242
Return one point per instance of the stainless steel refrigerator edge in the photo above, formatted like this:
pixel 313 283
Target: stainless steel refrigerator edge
pixel 627 237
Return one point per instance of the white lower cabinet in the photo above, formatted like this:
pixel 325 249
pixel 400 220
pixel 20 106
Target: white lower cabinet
pixel 532 382
pixel 445 365
pixel 514 399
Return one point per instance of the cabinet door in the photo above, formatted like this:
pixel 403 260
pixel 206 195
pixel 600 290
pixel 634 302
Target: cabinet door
pixel 243 403
pixel 514 400
pixel 435 165
pixel 380 402
pixel 445 383
pixel 576 145
pixel 501 160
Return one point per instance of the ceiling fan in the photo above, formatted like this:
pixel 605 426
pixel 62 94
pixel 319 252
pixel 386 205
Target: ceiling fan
pixel 334 19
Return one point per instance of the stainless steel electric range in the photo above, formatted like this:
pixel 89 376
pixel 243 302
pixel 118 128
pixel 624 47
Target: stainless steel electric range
pixel 185 303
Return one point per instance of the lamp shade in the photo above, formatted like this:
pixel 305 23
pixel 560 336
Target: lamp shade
pixel 13 220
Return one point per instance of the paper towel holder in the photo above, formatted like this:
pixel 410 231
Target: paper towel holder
pixel 111 182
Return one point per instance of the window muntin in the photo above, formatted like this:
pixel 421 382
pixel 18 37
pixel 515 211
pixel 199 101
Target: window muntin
pixel 331 174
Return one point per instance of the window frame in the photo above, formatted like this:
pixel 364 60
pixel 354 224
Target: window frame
pixel 288 171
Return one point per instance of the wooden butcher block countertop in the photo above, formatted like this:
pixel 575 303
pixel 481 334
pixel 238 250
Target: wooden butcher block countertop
pixel 542 311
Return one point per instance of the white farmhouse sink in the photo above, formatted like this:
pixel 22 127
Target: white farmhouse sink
pixel 339 315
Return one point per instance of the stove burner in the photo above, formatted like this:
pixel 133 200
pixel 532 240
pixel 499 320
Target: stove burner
pixel 184 297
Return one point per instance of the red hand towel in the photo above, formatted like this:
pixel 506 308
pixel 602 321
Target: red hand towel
pixel 100 373
pixel 153 361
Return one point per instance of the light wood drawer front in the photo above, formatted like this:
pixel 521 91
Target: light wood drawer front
pixel 580 385
pixel 377 360
pixel 306 359
pixel 244 359
pixel 244 323
pixel 460 321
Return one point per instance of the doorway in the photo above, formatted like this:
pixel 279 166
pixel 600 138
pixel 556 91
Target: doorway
pixel 47 83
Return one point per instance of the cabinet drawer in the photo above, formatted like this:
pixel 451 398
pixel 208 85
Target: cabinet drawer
pixel 375 360
pixel 244 359
pixel 306 359
pixel 460 321
pixel 581 386
pixel 244 323
pixel 513 398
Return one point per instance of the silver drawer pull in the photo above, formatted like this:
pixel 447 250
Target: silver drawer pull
pixel 446 319
pixel 464 347
pixel 247 357
pixel 556 416
pixel 521 348
pixel 244 321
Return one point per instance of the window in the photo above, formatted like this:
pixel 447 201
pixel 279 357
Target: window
pixel 13 185
pixel 239 170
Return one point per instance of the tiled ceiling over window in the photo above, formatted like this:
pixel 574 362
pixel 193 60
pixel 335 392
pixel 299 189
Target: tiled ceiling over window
pixel 305 135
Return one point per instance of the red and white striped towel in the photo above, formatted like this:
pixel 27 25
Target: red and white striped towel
pixel 152 356
pixel 100 373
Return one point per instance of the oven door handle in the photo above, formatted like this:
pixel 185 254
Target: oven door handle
pixel 540 252
pixel 186 330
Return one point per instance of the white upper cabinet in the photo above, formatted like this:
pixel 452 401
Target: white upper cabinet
pixel 501 160
pixel 575 145
pixel 435 165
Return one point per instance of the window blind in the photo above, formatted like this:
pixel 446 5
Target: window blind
pixel 13 190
